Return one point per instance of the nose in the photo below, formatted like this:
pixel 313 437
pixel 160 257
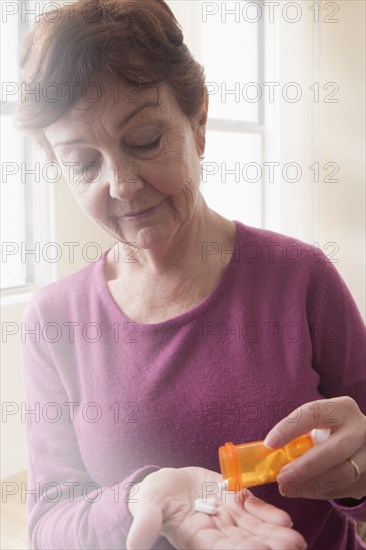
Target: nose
pixel 124 180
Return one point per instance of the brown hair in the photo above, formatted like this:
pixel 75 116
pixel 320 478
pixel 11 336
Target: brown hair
pixel 64 54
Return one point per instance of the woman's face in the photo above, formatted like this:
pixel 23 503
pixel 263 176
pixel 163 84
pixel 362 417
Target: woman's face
pixel 132 162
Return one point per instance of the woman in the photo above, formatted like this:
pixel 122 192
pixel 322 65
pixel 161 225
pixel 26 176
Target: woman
pixel 193 331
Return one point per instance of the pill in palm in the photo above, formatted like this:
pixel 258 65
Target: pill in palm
pixel 204 507
pixel 206 500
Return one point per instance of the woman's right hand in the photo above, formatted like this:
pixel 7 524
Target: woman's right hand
pixel 165 505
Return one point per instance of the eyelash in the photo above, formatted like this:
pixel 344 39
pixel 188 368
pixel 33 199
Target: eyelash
pixel 79 171
pixel 147 147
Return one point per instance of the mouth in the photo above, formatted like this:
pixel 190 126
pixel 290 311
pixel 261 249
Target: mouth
pixel 140 214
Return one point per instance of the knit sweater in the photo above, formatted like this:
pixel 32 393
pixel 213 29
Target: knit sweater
pixel 114 399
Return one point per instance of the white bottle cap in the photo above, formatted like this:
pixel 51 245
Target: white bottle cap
pixel 319 435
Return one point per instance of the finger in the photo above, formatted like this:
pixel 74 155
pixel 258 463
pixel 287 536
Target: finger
pixel 250 543
pixel 228 538
pixel 325 488
pixel 238 539
pixel 280 537
pixel 324 413
pixel 264 535
pixel 145 528
pixel 323 458
pixel 297 542
pixel 271 533
pixel 264 511
pixel 221 538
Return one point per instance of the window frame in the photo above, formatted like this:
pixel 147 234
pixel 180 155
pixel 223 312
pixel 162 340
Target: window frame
pixel 188 14
pixel 8 109
pixel 35 226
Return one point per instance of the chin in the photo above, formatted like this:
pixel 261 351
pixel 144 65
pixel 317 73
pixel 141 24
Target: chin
pixel 151 237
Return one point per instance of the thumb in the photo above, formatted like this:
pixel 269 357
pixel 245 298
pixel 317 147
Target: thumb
pixel 145 528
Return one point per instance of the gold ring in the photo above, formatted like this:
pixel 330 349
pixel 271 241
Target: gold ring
pixel 356 469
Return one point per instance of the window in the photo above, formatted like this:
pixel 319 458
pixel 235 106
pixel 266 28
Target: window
pixel 231 51
pixel 13 159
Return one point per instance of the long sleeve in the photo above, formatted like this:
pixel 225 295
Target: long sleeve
pixel 339 351
pixel 67 509
pixel 274 334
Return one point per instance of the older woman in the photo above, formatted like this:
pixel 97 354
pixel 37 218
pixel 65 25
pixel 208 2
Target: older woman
pixel 182 348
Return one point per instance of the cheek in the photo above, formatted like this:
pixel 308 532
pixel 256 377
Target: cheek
pixel 92 201
pixel 170 180
pixel 173 170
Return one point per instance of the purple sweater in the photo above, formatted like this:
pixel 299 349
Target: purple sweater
pixel 115 400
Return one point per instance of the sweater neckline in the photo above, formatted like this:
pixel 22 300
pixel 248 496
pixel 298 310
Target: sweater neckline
pixel 180 319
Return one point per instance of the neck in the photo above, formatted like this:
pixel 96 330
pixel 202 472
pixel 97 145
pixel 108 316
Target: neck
pixel 184 251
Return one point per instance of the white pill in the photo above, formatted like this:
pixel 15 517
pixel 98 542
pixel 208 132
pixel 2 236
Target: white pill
pixel 207 500
pixel 206 508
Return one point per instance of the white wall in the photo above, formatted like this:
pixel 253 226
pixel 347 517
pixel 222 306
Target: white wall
pixel 329 213
pixel 342 138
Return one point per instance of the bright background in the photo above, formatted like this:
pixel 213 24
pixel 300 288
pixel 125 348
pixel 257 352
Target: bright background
pixel 325 45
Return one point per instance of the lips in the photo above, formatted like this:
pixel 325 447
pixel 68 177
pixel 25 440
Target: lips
pixel 139 211
pixel 142 211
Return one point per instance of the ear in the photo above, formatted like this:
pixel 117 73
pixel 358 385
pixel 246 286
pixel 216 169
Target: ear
pixel 201 126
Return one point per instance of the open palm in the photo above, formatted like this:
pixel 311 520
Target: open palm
pixel 166 506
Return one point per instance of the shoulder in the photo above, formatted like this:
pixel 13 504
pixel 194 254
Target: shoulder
pixel 67 295
pixel 279 265
pixel 281 262
pixel 269 239
pixel 270 247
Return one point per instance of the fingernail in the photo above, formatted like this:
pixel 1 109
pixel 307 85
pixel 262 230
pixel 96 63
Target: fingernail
pixel 285 477
pixel 268 442
pixel 306 546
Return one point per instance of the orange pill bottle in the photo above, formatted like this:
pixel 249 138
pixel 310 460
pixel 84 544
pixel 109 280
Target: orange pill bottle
pixel 251 464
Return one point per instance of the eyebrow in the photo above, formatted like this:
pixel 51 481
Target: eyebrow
pixel 119 125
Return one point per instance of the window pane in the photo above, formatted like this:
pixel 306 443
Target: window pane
pixel 13 271
pixel 230 56
pixel 9 53
pixel 231 180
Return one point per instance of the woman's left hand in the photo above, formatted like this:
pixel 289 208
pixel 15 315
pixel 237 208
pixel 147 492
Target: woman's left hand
pixel 334 469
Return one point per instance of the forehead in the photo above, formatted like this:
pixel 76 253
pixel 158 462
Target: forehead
pixel 110 104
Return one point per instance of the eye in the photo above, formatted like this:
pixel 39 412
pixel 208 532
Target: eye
pixel 88 171
pixel 91 170
pixel 148 146
pixel 76 167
